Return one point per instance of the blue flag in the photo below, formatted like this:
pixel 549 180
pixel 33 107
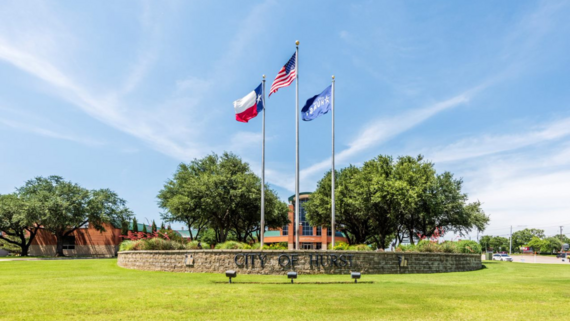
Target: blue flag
pixel 317 105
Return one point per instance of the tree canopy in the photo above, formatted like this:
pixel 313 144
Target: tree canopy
pixel 64 206
pixel 386 199
pixel 19 221
pixel 220 193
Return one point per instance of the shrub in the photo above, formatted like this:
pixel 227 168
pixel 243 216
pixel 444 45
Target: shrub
pixel 276 246
pixel 448 247
pixel 232 245
pixel 406 248
pixel 359 247
pixel 126 246
pixel 427 246
pixel 340 246
pixel 150 245
pixel 194 245
pixel 468 246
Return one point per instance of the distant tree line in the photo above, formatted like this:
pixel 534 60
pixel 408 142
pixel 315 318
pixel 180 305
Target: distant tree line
pixel 387 199
pixel 529 237
pixel 58 207
pixel 219 198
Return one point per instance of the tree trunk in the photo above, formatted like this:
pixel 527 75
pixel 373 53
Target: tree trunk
pixel 59 246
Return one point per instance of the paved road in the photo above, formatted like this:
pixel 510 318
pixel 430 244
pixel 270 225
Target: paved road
pixel 539 259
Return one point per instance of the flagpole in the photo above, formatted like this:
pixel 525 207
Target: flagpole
pixel 296 225
pixel 263 168
pixel 332 173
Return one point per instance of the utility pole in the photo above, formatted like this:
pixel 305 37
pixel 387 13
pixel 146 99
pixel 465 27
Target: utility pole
pixel 561 238
pixel 511 241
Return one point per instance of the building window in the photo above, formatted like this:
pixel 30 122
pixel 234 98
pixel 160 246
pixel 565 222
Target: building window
pixel 329 232
pixel 69 242
pixel 319 231
pixel 307 246
pixel 285 230
pixel 318 246
pixel 307 229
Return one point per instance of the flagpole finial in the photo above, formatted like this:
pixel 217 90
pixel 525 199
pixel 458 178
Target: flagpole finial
pixel 333 77
pixel 297 42
pixel 263 76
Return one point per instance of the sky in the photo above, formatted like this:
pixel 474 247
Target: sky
pixel 117 95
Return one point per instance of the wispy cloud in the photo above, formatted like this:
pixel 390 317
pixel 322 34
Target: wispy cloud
pixel 491 144
pixel 48 132
pixel 385 129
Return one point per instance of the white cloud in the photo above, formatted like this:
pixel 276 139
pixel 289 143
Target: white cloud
pixel 491 144
pixel 48 132
pixel 381 131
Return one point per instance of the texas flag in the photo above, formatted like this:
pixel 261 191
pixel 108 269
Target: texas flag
pixel 249 106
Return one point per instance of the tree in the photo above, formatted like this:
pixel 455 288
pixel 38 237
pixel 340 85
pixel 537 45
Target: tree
pixel 523 237
pixel 19 221
pixel 65 207
pixel 135 225
pixel 153 226
pixel 350 219
pixel 162 226
pixel 125 228
pixel 387 199
pixel 144 229
pixel 538 245
pixel 220 193
pixel 499 243
pixel 485 242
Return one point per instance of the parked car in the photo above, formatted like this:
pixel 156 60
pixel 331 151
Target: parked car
pixel 502 257
pixel 561 255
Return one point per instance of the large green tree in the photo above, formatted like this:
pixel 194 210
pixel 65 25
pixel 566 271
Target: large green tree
pixel 523 237
pixel 387 198
pixel 20 221
pixel 64 206
pixel 220 193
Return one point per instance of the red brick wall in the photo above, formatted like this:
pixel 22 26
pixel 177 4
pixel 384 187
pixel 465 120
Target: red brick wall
pixel 83 236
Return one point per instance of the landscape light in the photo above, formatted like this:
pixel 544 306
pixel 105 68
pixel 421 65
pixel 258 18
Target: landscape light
pixel 355 276
pixel 292 275
pixel 231 274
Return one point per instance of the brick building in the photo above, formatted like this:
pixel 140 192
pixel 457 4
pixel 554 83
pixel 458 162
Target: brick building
pixel 310 237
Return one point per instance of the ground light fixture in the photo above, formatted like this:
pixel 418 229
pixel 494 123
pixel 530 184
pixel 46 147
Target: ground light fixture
pixel 355 276
pixel 292 276
pixel 231 274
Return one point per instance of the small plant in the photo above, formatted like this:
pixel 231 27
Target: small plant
pixel 340 246
pixel 197 245
pixel 232 245
pixel 359 247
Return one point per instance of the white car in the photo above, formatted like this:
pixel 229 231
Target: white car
pixel 502 257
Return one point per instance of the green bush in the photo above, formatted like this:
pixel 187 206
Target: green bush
pixel 232 245
pixel 154 244
pixel 448 247
pixel 468 246
pixel 427 246
pixel 360 247
pixel 276 246
pixel 194 245
pixel 126 246
pixel 339 246
pixel 406 248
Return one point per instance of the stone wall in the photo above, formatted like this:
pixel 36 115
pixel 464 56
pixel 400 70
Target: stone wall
pixel 303 262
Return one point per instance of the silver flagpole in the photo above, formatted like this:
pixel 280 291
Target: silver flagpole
pixel 296 225
pixel 263 168
pixel 332 176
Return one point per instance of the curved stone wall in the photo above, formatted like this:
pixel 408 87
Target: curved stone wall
pixel 302 261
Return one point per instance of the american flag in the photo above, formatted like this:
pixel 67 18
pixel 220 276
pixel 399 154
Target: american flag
pixel 285 76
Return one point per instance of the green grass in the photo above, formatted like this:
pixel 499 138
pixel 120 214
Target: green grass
pixel 99 290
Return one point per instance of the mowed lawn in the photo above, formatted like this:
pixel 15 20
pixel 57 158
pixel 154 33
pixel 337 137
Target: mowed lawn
pixel 100 290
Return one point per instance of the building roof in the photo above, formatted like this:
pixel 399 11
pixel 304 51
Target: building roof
pixel 186 233
pixel 292 197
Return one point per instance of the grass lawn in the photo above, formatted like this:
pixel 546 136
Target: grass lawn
pixel 100 290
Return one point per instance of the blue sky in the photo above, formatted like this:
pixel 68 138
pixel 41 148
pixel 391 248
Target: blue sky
pixel 116 95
